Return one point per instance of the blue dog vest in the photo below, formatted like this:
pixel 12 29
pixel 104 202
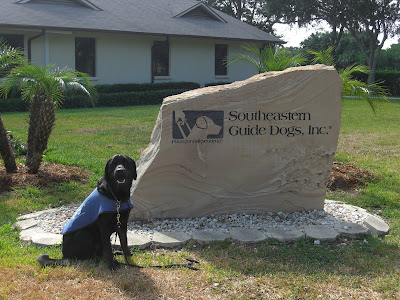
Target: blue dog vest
pixel 91 208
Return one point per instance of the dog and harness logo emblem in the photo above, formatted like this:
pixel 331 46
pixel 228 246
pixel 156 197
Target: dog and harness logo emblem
pixel 198 126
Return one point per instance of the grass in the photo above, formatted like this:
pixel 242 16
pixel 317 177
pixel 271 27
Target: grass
pixel 365 269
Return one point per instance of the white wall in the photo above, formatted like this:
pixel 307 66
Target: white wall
pixel 125 58
pixel 61 50
pixel 194 60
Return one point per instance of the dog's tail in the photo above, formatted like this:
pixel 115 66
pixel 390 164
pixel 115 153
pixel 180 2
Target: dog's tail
pixel 45 261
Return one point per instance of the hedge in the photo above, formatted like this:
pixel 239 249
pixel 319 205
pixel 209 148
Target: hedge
pixel 107 99
pixel 216 83
pixel 112 95
pixel 13 104
pixel 121 99
pixel 390 80
pixel 142 87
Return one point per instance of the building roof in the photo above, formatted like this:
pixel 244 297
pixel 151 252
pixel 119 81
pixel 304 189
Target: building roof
pixel 188 18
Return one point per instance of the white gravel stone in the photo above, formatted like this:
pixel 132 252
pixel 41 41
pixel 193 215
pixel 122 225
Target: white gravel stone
pixel 334 214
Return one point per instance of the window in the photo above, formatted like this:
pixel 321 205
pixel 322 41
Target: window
pixel 85 58
pixel 160 58
pixel 13 40
pixel 221 53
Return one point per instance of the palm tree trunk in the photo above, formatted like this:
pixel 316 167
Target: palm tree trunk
pixel 41 123
pixel 5 150
pixel 34 120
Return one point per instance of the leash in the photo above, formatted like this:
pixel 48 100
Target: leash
pixel 118 217
pixel 188 265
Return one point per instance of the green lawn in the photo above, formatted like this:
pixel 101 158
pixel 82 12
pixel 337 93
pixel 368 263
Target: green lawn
pixel 365 269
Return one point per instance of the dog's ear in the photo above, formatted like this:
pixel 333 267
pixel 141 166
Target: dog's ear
pixel 102 183
pixel 107 168
pixel 133 165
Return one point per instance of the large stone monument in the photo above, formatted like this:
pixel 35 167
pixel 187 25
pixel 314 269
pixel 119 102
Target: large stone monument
pixel 263 144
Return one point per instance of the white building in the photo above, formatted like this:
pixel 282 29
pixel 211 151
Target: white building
pixel 126 41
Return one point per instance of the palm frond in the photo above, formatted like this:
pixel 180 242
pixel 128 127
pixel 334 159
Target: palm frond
pixel 48 81
pixel 351 87
pixel 325 57
pixel 268 59
pixel 369 92
pixel 9 57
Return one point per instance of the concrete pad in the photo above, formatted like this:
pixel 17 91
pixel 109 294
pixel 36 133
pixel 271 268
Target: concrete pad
pixel 134 240
pixel 351 230
pixel 138 240
pixel 25 224
pixel 250 236
pixel 376 225
pixel 321 232
pixel 27 234
pixel 207 236
pixel 352 207
pixel 171 239
pixel 34 214
pixel 46 239
pixel 285 233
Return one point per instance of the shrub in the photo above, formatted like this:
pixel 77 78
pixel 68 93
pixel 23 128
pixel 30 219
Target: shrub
pixel 142 87
pixel 216 83
pixel 112 95
pixel 17 147
pixel 136 98
pixel 120 99
pixel 390 80
pixel 13 104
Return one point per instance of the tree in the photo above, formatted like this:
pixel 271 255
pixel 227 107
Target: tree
pixel 8 57
pixel 44 87
pixel 271 58
pixel 390 58
pixel 249 11
pixel 304 12
pixel 346 52
pixel 378 19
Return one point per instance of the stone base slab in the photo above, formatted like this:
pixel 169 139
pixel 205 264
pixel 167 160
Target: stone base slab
pixel 374 225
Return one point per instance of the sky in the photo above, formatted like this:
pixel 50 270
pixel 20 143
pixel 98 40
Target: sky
pixel 294 35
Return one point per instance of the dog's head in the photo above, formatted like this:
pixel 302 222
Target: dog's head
pixel 119 173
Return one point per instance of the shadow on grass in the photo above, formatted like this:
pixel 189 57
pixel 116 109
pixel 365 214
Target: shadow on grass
pixel 83 280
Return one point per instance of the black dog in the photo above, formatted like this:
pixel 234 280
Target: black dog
pixel 87 234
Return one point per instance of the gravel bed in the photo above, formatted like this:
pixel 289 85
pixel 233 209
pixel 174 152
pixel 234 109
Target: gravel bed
pixel 333 214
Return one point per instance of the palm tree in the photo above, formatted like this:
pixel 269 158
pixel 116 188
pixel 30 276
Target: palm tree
pixel 8 57
pixel 44 87
pixel 271 58
pixel 351 87
pixel 325 57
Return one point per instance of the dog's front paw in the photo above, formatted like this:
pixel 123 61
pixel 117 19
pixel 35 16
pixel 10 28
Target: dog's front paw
pixel 113 265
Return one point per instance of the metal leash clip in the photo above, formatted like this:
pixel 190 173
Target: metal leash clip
pixel 118 214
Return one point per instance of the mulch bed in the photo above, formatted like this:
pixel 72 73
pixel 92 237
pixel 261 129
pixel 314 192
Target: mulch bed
pixel 348 177
pixel 343 177
pixel 48 174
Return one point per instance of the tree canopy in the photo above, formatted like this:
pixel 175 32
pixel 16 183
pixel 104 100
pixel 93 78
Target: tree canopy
pixel 390 58
pixel 249 11
pixel 346 52
pixel 370 23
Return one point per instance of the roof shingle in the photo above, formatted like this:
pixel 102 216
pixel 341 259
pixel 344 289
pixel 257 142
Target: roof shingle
pixel 152 17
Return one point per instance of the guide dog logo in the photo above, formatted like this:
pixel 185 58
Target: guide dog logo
pixel 199 125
